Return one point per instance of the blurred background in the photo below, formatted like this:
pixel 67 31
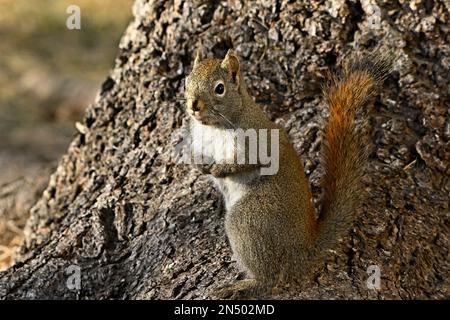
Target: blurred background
pixel 48 76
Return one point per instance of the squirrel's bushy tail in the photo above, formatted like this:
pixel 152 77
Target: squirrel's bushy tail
pixel 344 151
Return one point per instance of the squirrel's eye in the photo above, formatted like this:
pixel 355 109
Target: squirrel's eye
pixel 219 89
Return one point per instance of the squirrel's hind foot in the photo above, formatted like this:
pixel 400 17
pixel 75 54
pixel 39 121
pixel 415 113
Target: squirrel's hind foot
pixel 242 289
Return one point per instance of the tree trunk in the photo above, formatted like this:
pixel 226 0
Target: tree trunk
pixel 139 225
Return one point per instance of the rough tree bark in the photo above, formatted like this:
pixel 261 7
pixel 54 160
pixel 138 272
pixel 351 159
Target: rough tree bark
pixel 140 226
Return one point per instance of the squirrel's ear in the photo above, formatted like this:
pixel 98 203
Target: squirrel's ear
pixel 231 63
pixel 198 57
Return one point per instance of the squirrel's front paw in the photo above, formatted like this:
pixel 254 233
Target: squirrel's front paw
pixel 204 168
pixel 218 171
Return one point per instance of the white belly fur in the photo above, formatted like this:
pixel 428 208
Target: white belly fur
pixel 233 188
pixel 218 144
pixel 212 142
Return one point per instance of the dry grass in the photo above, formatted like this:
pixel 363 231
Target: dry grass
pixel 14 210
pixel 48 75
pixel 17 196
pixel 12 237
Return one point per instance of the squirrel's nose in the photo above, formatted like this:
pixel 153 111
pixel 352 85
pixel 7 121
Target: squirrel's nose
pixel 195 106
